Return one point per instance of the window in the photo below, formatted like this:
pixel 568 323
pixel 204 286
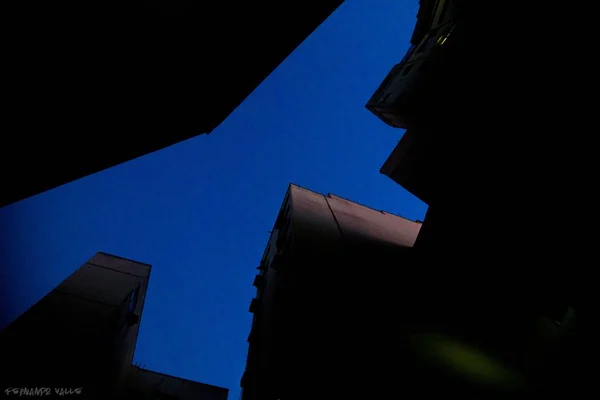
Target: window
pixel 133 300
pixel 123 317
pixel 445 34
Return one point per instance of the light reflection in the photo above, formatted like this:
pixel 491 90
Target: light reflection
pixel 466 361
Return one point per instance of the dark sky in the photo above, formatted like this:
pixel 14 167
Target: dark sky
pixel 200 211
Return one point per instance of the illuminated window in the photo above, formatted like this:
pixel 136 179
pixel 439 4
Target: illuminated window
pixel 445 36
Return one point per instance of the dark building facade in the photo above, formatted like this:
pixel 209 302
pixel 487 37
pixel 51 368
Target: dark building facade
pixel 321 316
pixel 101 84
pixel 82 335
pixel 491 196
pixel 142 384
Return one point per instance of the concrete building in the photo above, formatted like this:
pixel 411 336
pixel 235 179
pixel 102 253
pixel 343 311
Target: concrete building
pixel 489 183
pixel 400 98
pixel 326 291
pixel 99 84
pixel 82 336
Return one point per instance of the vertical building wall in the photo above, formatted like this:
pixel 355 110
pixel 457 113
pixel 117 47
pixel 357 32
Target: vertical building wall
pixel 492 230
pixel 131 271
pixel 83 333
pixel 342 246
pixel 325 281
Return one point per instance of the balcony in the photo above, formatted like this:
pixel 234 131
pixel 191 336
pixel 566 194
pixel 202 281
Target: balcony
pixel 262 266
pixel 254 305
pixel 433 13
pixel 406 88
pixel 424 16
pixel 410 165
pixel 259 281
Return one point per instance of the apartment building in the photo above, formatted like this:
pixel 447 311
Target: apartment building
pixel 329 292
pixel 81 338
pixel 471 152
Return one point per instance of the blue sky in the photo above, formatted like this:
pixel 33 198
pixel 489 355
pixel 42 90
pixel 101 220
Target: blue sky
pixel 200 211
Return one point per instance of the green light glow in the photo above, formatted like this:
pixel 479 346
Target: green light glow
pixel 466 361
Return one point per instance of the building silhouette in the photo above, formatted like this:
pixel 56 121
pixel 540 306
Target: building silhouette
pixel 326 296
pixel 101 84
pixel 143 384
pixel 82 335
pixel 490 193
